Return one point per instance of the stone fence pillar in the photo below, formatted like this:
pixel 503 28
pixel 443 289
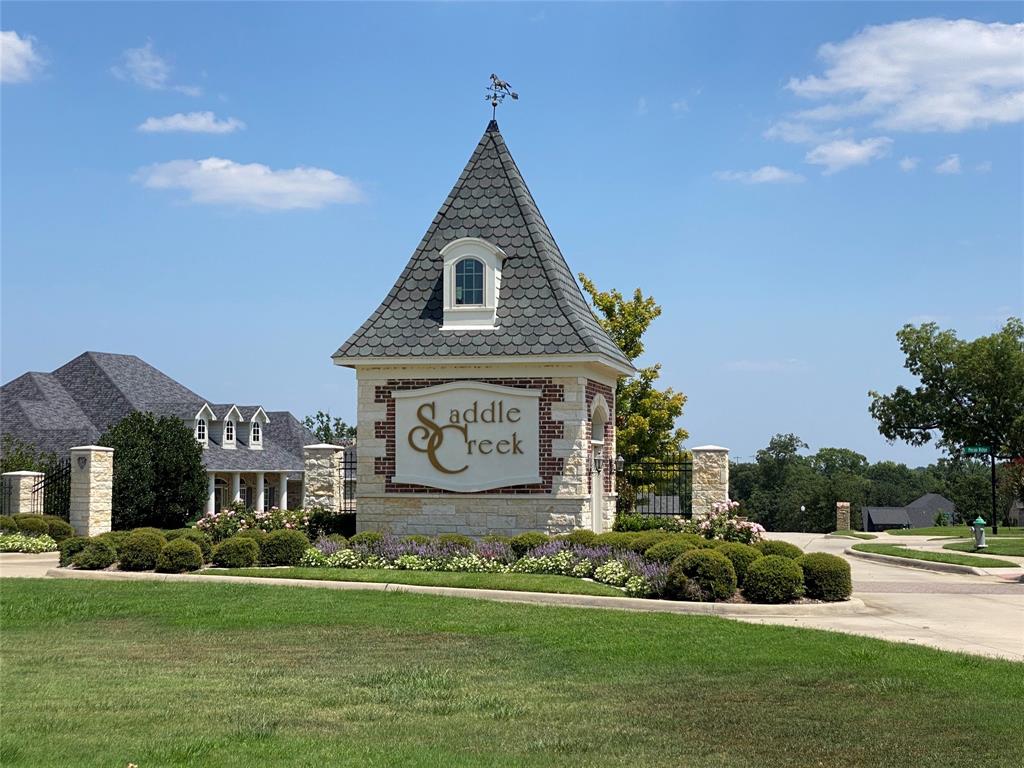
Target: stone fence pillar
pixel 20 486
pixel 92 489
pixel 322 480
pixel 842 515
pixel 710 481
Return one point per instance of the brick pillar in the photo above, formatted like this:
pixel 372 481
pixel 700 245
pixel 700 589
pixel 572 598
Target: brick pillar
pixel 92 489
pixel 20 484
pixel 842 515
pixel 320 482
pixel 710 478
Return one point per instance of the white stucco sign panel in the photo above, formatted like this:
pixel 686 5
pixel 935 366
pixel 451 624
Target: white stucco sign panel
pixel 467 436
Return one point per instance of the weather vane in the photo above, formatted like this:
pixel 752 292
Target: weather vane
pixel 496 93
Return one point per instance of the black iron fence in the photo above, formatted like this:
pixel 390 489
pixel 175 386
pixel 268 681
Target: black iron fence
pixel 655 488
pixel 51 494
pixel 347 482
pixel 5 497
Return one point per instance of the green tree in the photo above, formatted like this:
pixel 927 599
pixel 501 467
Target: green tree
pixel 645 416
pixel 17 456
pixel 327 429
pixel 159 477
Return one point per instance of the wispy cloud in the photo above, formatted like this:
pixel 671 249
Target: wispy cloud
pixel 216 181
pixel 908 164
pixel 839 155
pixel 764 366
pixel 951 165
pixel 680 107
pixel 641 106
pixel 766 174
pixel 144 66
pixel 19 59
pixel 193 122
pixel 797 132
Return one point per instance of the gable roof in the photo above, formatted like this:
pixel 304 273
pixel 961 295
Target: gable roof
pixel 887 515
pixel 541 310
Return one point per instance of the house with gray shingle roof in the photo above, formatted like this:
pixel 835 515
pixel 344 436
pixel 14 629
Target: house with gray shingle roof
pixel 250 454
pixel 920 513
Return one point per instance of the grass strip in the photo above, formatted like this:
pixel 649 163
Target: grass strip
pixel 900 550
pixel 997 546
pixel 854 534
pixel 958 531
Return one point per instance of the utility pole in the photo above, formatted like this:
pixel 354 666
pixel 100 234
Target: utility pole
pixel 995 522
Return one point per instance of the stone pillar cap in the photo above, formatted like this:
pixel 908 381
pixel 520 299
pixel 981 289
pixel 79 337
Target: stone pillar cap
pixel 708 448
pixel 24 473
pixel 321 446
pixel 91 448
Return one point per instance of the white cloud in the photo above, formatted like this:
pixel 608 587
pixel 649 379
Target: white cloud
pixel 193 122
pixel 802 133
pixel 908 164
pixel 144 66
pixel 845 153
pixel 224 182
pixel 19 59
pixel 984 167
pixel 922 75
pixel 950 165
pixel 766 174
pixel 641 106
pixel 679 106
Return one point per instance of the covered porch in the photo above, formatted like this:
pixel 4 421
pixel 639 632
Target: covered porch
pixel 256 490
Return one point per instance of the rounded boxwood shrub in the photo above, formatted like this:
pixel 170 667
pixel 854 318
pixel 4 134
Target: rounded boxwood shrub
pixel 643 541
pixel 773 579
pixel 367 538
pixel 194 534
pixel 709 575
pixel 783 548
pixel 338 538
pixel 114 538
pixel 150 529
pixel 524 542
pixel 237 552
pixel 283 547
pixel 31 525
pixel 615 539
pixel 8 524
pixel 741 555
pixel 826 577
pixel 458 539
pixel 95 556
pixel 70 547
pixel 179 556
pixel 497 538
pixel 140 551
pixel 59 528
pixel 581 538
pixel 414 538
pixel 668 550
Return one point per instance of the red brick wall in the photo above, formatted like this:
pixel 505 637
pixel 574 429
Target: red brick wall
pixel 595 388
pixel 549 430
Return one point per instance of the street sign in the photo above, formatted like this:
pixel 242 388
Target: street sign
pixel 977 449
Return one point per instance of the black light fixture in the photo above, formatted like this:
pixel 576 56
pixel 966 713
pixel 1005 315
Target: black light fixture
pixel 598 462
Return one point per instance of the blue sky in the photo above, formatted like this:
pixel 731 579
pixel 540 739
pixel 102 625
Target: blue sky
pixel 792 182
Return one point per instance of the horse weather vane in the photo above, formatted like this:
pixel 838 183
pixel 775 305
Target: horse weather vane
pixel 496 93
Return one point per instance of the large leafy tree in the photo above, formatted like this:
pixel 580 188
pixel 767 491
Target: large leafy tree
pixel 328 429
pixel 159 478
pixel 645 416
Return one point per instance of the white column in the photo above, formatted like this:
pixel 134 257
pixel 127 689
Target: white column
pixel 259 492
pixel 596 507
pixel 211 490
pixel 282 491
pixel 236 486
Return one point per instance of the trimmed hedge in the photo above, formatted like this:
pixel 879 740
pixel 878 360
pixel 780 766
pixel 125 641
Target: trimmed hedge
pixel 643 541
pixel 31 525
pixel 782 548
pixel 179 556
pixel 8 524
pixel 741 555
pixel 412 538
pixel 458 539
pixel 59 528
pixel 95 556
pixel 524 542
pixel 237 552
pixel 773 579
pixel 70 547
pixel 615 539
pixel 115 538
pixel 366 538
pixel 826 577
pixel 283 547
pixel 636 521
pixel 668 550
pixel 702 575
pixel 140 551
pixel 580 538
pixel 194 534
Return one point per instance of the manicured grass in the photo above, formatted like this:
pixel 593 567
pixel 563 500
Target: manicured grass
pixel 854 534
pixel 899 550
pixel 522 582
pixel 996 546
pixel 173 674
pixel 959 531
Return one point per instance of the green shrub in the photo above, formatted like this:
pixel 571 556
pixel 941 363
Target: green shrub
pixel 237 552
pixel 70 547
pixel 140 551
pixel 8 524
pixel 497 538
pixel 31 525
pixel 668 550
pixel 773 579
pixel 323 522
pixel 283 547
pixel 95 556
pixel 524 542
pixel 19 542
pixel 580 538
pixel 826 577
pixel 637 522
pixel 702 574
pixel 179 556
pixel 59 528
pixel 151 529
pixel 366 538
pixel 741 555
pixel 337 538
pixel 641 542
pixel 782 548
pixel 458 539
pixel 615 539
pixel 194 534
pixel 253 533
pixel 417 538
pixel 114 538
pixel 698 541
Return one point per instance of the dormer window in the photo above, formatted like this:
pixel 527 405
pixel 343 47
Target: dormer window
pixel 229 433
pixel 201 430
pixel 256 435
pixel 472 283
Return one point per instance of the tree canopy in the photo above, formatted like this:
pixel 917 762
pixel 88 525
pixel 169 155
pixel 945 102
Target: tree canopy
pixel 327 429
pixel 645 416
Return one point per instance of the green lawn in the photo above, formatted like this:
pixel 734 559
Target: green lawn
pixel 522 582
pixel 188 674
pixel 997 546
pixel 959 531
pixel 854 534
pixel 899 550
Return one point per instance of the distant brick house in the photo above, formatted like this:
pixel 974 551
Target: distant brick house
pixel 251 454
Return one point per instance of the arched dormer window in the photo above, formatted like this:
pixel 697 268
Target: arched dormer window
pixel 256 435
pixel 229 431
pixel 472 284
pixel 201 430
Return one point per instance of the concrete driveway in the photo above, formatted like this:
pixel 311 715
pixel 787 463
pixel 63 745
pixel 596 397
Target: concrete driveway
pixel 14 564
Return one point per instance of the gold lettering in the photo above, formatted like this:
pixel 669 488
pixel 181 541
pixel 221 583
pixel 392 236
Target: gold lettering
pixel 513 411
pixel 502 447
pixel 432 435
pixel 485 446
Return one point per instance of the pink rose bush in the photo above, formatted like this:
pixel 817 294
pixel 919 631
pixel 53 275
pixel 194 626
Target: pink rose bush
pixel 724 524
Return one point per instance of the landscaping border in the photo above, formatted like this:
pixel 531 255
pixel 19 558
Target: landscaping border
pixel 848 607
pixel 925 565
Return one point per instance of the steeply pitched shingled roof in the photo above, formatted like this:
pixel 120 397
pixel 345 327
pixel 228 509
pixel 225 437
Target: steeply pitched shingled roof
pixel 541 310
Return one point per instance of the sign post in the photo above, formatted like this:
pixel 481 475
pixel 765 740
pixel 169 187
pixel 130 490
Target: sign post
pixel 974 450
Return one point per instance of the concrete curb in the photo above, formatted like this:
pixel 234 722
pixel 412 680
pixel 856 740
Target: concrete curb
pixel 924 565
pixel 729 610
